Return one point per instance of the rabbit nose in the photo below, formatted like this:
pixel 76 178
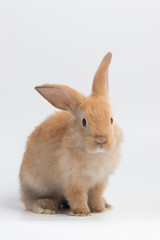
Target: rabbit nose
pixel 101 140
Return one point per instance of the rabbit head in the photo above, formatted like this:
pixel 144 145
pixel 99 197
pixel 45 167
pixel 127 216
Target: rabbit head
pixel 91 127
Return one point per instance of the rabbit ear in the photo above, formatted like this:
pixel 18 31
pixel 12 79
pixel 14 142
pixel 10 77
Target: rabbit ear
pixel 100 82
pixel 60 96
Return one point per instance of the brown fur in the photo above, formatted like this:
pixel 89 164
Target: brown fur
pixel 95 200
pixel 64 161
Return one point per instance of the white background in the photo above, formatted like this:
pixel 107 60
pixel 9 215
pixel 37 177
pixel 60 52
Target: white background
pixel 63 42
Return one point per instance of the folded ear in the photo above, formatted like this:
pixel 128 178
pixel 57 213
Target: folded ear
pixel 100 82
pixel 60 96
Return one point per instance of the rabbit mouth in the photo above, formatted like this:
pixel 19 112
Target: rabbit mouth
pixel 99 144
pixel 98 150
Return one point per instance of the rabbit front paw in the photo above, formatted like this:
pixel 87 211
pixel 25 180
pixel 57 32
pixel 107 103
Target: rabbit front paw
pixel 98 210
pixel 80 212
pixel 97 205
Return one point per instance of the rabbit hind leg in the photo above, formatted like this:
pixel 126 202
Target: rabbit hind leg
pixel 41 205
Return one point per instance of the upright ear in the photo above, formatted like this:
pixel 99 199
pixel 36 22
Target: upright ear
pixel 60 96
pixel 100 82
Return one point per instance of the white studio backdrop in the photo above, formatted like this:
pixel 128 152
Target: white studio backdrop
pixel 63 42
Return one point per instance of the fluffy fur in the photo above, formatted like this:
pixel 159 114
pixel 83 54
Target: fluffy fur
pixel 66 163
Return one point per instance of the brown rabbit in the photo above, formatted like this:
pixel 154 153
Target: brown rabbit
pixel 70 156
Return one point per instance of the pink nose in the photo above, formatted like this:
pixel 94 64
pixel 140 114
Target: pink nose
pixel 100 140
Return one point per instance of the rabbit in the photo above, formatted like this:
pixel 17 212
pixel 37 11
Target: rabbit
pixel 69 156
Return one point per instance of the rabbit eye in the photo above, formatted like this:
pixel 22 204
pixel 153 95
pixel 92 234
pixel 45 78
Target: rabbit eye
pixel 84 122
pixel 111 120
